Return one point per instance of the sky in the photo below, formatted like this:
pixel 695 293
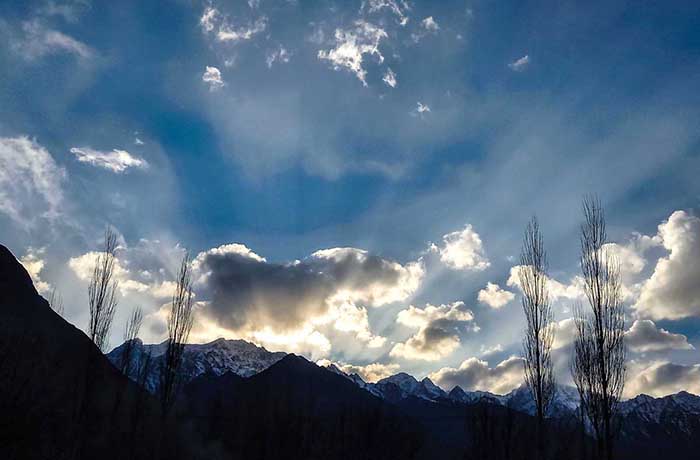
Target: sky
pixel 352 179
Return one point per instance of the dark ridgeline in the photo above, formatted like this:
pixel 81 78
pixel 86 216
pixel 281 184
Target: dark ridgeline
pixel 292 410
pixel 46 411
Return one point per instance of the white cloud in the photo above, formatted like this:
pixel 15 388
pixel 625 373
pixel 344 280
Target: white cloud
pixel 557 290
pixel 430 24
pixel 351 46
pixel 661 378
pixel 209 17
pixel 564 333
pixel 372 373
pixel 673 290
pixel 347 317
pixel 228 33
pixel 485 351
pixel 116 161
pixel 212 77
pixel 34 263
pixel 30 181
pixel 420 110
pixel 439 329
pixel 280 55
pixel 495 297
pixel 40 41
pixel 389 78
pixel 84 265
pixel 520 64
pixel 399 9
pixel 475 374
pixel 462 250
pixel 644 337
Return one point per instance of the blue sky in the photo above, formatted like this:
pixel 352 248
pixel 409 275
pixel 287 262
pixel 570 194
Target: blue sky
pixel 421 135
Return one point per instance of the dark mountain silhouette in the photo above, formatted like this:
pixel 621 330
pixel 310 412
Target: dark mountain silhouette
pixel 60 398
pixel 298 410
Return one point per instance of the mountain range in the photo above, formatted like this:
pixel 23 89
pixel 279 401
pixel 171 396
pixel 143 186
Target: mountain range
pixel 61 398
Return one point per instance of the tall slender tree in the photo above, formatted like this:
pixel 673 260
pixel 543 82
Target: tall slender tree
pixel 102 293
pixel 179 326
pixel 598 366
pixel 131 332
pixel 539 333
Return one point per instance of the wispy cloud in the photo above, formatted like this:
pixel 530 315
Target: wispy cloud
pixel 117 161
pixel 520 64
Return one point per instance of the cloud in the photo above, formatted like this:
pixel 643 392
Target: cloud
pixel 427 26
pixel 208 19
pixel 117 161
pixel 280 55
pixel 370 373
pixel 485 351
pixel 495 297
pixel 557 290
pixel 475 374
pixel 462 250
pixel 399 9
pixel 430 24
pixel 34 263
pixel 228 33
pixel 520 64
pixel 30 181
pixel 84 265
pixel 330 287
pixel 212 77
pixel 420 110
pixel 564 333
pixel 389 78
pixel 351 46
pixel 439 329
pixel 39 41
pixel 644 337
pixel 661 378
pixel 673 291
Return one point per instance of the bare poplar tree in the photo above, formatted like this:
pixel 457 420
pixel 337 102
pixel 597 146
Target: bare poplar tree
pixel 598 366
pixel 102 293
pixel 539 333
pixel 56 301
pixel 131 332
pixel 179 326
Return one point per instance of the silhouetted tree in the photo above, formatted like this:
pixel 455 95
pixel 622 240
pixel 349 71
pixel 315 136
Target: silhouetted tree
pixel 598 366
pixel 539 333
pixel 102 293
pixel 131 332
pixel 179 326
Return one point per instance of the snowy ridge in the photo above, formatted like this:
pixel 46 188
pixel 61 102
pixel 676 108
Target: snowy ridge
pixel 217 357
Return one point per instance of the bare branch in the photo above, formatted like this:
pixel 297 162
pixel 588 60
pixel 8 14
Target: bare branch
pixel 179 326
pixel 539 333
pixel 102 293
pixel 598 366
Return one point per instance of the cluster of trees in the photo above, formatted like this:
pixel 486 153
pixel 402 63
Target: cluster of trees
pixel 103 301
pixel 598 362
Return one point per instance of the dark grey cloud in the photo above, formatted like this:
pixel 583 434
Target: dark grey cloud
pixel 243 289
pixel 663 378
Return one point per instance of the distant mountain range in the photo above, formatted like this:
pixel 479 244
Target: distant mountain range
pixel 61 398
pixel 245 359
